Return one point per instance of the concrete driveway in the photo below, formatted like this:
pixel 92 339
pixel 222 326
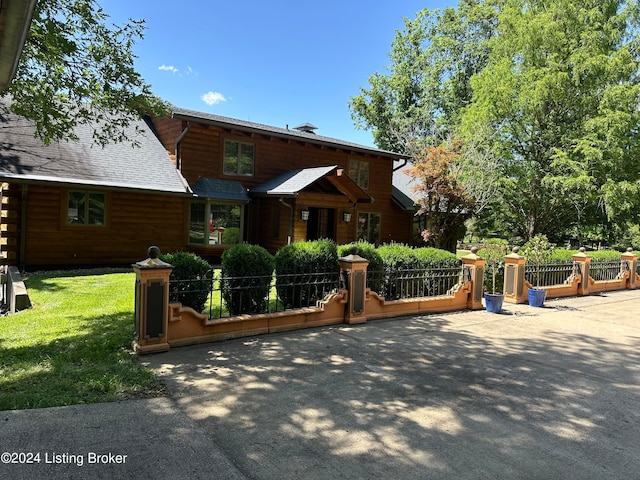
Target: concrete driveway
pixel 533 393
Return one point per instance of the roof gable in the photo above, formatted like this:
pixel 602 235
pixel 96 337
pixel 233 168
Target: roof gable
pixel 289 184
pixel 227 122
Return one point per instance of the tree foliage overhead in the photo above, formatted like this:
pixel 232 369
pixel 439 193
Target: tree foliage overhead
pixel 427 84
pixel 549 87
pixel 77 69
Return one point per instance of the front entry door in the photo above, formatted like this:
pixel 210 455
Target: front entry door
pixel 321 223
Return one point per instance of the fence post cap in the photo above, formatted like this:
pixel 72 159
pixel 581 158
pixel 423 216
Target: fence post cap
pixel 153 261
pixel 514 253
pixel 581 255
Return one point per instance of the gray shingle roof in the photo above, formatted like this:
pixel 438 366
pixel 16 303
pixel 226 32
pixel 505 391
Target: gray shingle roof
pixel 217 189
pixel 26 158
pixel 290 183
pixel 210 118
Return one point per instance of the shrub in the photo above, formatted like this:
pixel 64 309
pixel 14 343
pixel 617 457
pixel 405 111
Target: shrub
pixel 395 258
pixel 435 257
pixel 436 276
pixel 605 256
pixel 246 278
pixel 294 263
pixel 231 236
pixel 374 269
pixel 191 279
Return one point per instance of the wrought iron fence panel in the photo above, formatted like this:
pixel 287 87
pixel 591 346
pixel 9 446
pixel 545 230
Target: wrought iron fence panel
pixel 305 289
pixel 605 270
pixel 228 296
pixel 550 273
pixel 414 283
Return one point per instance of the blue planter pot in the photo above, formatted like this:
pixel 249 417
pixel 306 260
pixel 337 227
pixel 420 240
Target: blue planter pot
pixel 493 302
pixel 537 297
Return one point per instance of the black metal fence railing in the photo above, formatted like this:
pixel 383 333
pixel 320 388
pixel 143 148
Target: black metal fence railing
pixel 550 273
pixel 605 270
pixel 414 283
pixel 220 296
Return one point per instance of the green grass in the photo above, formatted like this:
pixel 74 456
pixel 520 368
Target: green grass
pixel 74 345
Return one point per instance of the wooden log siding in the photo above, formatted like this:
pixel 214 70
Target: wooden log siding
pixel 10 223
pixel 133 222
pixel 202 151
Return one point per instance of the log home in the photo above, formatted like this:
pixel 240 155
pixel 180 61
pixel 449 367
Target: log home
pixel 75 203
pixel 197 182
pixel 270 186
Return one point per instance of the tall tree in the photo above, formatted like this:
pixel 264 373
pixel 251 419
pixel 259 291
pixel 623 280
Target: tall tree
pixel 548 87
pixel 443 199
pixel 561 91
pixel 76 69
pixel 417 103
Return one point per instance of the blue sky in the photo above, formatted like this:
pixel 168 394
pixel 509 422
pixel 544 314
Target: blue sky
pixel 276 62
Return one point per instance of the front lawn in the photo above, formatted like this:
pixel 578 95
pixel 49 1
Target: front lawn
pixel 74 345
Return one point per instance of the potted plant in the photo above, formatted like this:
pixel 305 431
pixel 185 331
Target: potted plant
pixel 537 251
pixel 494 254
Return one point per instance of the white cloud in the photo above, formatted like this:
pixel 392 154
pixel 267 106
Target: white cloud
pixel 169 68
pixel 211 98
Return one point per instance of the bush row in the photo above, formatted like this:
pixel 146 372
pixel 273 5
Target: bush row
pixel 247 272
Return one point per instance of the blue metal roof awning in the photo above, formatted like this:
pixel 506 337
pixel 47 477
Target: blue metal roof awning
pixel 216 189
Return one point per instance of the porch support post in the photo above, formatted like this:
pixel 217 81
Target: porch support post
pixel 353 268
pixel 473 269
pixel 584 262
pixel 151 303
pixel 514 267
pixel 632 262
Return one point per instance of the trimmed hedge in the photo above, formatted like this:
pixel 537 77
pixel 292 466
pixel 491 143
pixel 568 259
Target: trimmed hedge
pixel 295 260
pixel 247 271
pixel 191 279
pixel 398 258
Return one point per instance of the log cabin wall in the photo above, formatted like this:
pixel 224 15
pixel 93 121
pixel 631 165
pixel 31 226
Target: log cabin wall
pixel 202 151
pixel 10 224
pixel 133 222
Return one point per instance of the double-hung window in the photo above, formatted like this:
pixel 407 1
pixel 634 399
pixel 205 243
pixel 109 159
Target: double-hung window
pixel 368 228
pixel 239 158
pixel 85 208
pixel 359 172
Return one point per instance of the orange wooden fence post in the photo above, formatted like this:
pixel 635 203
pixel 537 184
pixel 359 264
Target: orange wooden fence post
pixel 584 261
pixel 354 267
pixel 514 266
pixel 632 262
pixel 473 267
pixel 151 303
